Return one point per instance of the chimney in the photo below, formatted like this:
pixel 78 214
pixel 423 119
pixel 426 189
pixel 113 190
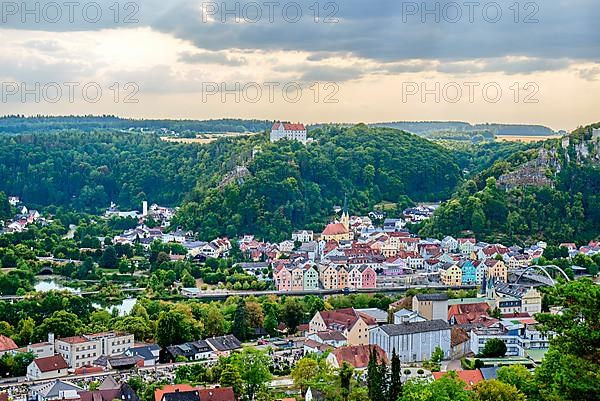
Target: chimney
pixel 145 208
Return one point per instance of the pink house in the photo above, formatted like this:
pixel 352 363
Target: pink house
pixel 369 277
pixel 282 278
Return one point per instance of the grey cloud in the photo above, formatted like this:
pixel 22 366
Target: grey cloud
pixel 212 58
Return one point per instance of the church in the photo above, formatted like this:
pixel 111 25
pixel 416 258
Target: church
pixel 339 231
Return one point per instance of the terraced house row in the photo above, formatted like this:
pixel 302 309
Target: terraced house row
pixel 300 274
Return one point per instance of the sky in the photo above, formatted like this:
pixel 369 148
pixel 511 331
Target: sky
pixel 304 60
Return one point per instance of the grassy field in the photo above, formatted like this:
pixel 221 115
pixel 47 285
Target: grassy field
pixel 205 138
pixel 525 138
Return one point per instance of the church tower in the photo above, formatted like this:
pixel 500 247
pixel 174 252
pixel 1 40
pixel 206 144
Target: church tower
pixel 345 216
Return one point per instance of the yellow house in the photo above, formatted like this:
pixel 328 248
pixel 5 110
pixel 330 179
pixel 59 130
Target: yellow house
pixel 451 274
pixel 342 274
pixel 497 269
pixel 329 277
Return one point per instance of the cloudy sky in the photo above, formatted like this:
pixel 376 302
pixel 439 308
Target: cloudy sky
pixel 340 61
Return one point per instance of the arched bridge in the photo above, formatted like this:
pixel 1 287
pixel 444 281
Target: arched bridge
pixel 545 278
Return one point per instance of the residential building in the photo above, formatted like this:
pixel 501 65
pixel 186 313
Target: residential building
pixel 149 352
pixel 496 269
pixel 43 349
pixel 518 333
pixel 412 342
pixel 353 325
pixel 449 244
pixel 407 316
pixel 431 306
pixel 84 350
pixel 50 367
pixel 223 345
pixel 466 246
pixel 192 351
pixel 54 390
pixel 469 272
pixel 110 392
pixel 356 355
pixel 303 236
pixel 7 345
pixel 331 338
pixel 450 274
pixel 460 342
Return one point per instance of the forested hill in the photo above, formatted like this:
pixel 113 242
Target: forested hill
pixel 88 170
pixel 39 124
pixel 550 193
pixel 287 185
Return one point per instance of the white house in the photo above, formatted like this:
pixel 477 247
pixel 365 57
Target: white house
pixel 49 367
pixel 303 236
pixel 291 132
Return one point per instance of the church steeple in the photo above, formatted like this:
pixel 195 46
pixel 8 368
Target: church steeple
pixel 345 220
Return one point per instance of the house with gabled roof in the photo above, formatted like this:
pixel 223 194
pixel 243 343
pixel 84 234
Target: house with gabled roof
pixel 352 324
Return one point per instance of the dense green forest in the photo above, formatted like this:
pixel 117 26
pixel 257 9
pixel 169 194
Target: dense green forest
pixel 289 185
pixel 16 124
pixel 430 127
pixel 566 210
pixel 86 171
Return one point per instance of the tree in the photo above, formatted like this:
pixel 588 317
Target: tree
pixel 345 374
pixel 292 313
pixel 395 377
pixel 375 378
pixel 571 365
pixel 494 390
pixel 448 388
pixel 271 322
pixel 494 348
pixel 254 370
pixel 215 321
pixel 175 327
pixel 576 328
pixel 187 280
pixel 520 377
pixel 134 325
pixel 61 323
pixel 240 321
pixel 304 372
pixel 230 377
pixel 25 330
pixel 109 258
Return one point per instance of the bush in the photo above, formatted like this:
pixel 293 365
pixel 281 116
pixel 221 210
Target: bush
pixel 407 372
pixel 420 371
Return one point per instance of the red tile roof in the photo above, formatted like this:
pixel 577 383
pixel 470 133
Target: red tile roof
pixel 74 340
pixel 335 229
pixel 217 394
pixel 470 377
pixel 458 336
pixel 467 313
pixel 358 355
pixel 7 344
pixel 159 392
pixel 51 363
pixel 289 127
pixel 3 396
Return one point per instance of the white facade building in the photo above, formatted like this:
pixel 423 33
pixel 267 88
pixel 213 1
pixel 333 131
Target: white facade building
pixel 291 132
pixel 413 342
